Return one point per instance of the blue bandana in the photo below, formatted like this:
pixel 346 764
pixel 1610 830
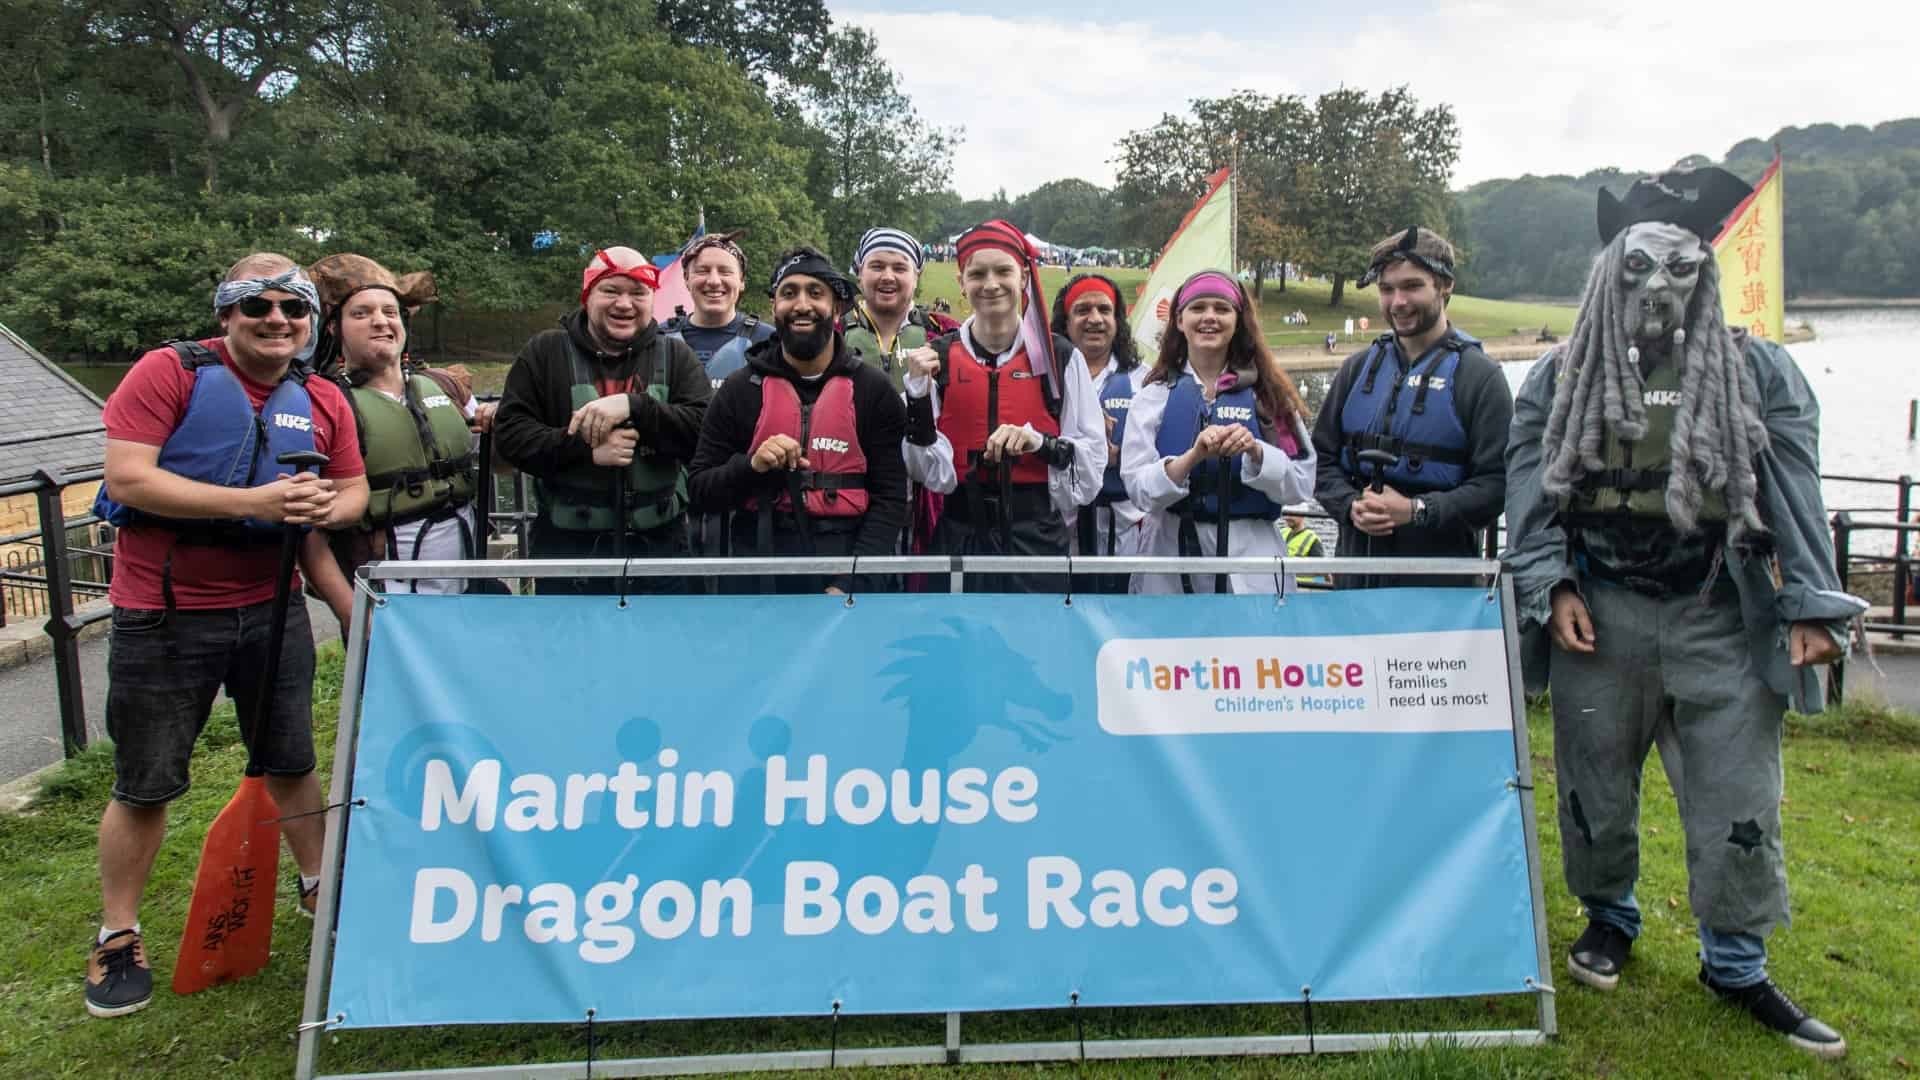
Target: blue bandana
pixel 294 280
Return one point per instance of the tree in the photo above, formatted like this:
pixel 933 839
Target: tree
pixel 784 38
pixel 227 51
pixel 1073 213
pixel 875 161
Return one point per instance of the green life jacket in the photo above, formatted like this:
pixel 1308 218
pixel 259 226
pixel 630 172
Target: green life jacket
pixel 861 338
pixel 580 498
pixel 1634 479
pixel 419 453
pixel 1299 543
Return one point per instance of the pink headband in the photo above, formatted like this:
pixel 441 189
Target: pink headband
pixel 1208 283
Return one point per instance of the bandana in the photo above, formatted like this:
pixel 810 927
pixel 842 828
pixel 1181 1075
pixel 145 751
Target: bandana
pixel 1208 283
pixel 885 239
pixel 997 235
pixel 728 242
pixel 293 280
pixel 1422 247
pixel 1035 333
pixel 1086 285
pixel 807 262
pixel 617 262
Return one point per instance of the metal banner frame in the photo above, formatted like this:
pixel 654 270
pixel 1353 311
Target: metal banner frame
pixel 952 1050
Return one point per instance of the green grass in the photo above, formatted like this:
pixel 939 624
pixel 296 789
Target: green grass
pixel 1854 957
pixel 486 341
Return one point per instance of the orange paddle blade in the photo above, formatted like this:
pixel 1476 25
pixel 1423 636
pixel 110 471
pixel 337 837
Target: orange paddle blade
pixel 230 923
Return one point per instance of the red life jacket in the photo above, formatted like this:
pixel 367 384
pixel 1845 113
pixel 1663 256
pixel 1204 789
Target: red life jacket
pixel 1022 399
pixel 836 486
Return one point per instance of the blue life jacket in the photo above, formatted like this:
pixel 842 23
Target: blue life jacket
pixel 1186 413
pixel 222 440
pixel 731 357
pixel 1412 417
pixel 1116 401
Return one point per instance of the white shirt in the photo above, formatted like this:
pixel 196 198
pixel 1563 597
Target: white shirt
pixel 1144 470
pixel 1081 423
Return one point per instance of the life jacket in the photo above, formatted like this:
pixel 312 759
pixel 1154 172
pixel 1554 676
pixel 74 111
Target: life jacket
pixel 828 433
pixel 863 339
pixel 419 453
pixel 1116 400
pixel 1299 542
pixel 976 398
pixel 1412 417
pixel 580 497
pixel 222 440
pixel 1633 481
pixel 1186 413
pixel 728 358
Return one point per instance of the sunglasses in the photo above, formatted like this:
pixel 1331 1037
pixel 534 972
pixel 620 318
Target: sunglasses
pixel 256 307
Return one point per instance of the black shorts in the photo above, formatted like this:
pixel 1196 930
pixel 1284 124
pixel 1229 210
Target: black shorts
pixel 163 669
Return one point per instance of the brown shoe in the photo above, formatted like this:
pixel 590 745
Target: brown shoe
pixel 119 980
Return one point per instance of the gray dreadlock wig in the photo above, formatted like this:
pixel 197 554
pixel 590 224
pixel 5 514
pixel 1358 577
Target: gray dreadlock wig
pixel 1717 433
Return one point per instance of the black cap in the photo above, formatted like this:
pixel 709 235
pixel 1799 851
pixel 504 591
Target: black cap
pixel 1696 199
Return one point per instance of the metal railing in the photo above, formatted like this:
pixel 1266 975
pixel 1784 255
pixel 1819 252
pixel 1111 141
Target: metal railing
pixel 510 513
pixel 63 626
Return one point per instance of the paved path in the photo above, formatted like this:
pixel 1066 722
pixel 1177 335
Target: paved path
pixel 30 705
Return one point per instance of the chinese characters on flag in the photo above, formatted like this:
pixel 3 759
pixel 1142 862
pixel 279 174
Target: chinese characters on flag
pixel 1752 263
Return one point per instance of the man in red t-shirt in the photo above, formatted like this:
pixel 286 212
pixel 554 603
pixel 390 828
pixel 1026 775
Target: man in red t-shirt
pixel 192 603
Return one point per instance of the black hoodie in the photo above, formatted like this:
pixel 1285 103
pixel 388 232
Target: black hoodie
pixel 721 477
pixel 531 426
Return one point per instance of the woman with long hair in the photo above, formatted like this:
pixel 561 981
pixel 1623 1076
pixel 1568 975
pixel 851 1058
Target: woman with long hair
pixel 1089 311
pixel 1216 441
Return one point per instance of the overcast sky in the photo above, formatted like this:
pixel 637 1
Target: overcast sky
pixel 1045 90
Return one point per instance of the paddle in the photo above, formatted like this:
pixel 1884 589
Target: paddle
pixel 229 928
pixel 1381 461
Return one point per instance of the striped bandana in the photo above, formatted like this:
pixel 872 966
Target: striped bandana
pixel 887 239
pixel 293 280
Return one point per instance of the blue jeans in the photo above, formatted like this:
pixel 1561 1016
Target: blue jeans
pixel 1732 958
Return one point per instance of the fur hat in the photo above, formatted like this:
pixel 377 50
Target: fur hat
pixel 340 276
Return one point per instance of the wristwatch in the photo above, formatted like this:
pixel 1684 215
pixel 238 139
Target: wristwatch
pixel 1419 512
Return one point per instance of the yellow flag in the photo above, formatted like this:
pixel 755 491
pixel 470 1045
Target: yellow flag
pixel 1204 241
pixel 1753 273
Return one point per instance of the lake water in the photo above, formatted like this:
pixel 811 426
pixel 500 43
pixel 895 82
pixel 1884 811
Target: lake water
pixel 1864 365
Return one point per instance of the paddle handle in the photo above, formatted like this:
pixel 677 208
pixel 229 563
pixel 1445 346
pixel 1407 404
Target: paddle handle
pixel 301 460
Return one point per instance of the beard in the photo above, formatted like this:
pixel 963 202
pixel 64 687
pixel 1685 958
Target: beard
pixel 805 343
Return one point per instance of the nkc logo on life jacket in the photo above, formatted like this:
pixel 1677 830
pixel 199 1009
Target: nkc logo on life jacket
pixel 1120 403
pixel 437 401
pixel 1433 382
pixel 1233 412
pixel 291 420
pixel 822 442
pixel 1665 399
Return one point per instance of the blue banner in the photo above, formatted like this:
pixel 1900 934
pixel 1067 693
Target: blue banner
pixel 751 806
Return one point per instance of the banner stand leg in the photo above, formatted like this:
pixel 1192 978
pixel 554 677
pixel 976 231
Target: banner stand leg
pixel 1523 765
pixel 320 958
pixel 953 1038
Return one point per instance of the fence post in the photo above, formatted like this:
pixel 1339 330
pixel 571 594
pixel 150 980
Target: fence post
pixel 1902 570
pixel 62 629
pixel 483 521
pixel 1837 671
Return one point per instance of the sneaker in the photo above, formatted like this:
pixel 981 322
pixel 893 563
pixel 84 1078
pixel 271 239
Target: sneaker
pixel 1596 959
pixel 309 898
pixel 1771 1006
pixel 118 978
